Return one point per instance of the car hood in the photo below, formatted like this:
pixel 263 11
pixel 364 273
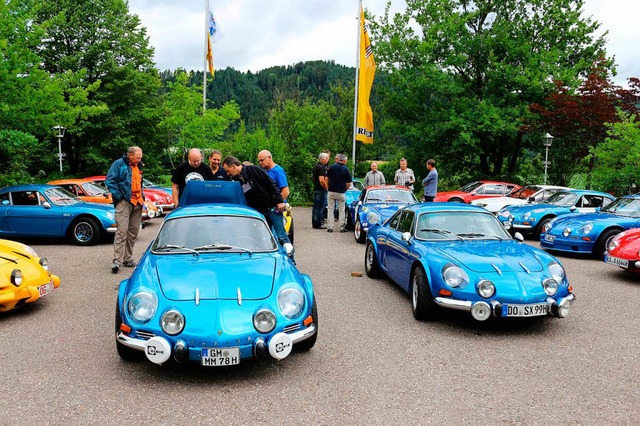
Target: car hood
pixel 492 256
pixel 580 219
pixel 386 210
pixel 87 206
pixel 215 277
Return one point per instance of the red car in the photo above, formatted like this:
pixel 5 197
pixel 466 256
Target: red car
pixel 475 190
pixel 623 250
pixel 163 201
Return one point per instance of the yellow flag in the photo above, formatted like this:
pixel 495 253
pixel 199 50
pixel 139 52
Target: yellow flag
pixel 212 27
pixel 366 72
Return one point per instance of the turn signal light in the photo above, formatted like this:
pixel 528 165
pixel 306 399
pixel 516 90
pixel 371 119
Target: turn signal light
pixel 308 320
pixel 444 292
pixel 125 328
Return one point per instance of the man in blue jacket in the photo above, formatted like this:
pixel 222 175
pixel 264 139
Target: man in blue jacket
pixel 124 181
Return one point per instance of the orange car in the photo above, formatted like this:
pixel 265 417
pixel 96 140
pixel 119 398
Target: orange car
pixel 84 189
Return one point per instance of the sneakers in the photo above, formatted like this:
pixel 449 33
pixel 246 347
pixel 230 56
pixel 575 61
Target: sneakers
pixel 329 230
pixel 129 263
pixel 115 267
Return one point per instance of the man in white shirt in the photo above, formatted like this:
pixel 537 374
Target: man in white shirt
pixel 374 177
pixel 404 175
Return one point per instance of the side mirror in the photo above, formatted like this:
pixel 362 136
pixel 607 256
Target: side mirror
pixel 46 205
pixel 359 203
pixel 406 237
pixel 572 209
pixel 289 249
pixel 531 199
pixel 518 237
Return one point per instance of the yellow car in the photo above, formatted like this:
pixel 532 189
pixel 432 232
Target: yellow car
pixel 24 276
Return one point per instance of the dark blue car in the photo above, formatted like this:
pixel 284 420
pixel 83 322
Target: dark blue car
pixel 589 233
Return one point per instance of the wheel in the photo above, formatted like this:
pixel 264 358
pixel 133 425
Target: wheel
pixel 371 266
pixel 456 200
pixel 85 231
pixel 349 220
pixel 307 344
pixel 358 233
pixel 126 353
pixel 291 231
pixel 541 225
pixel 422 304
pixel 601 243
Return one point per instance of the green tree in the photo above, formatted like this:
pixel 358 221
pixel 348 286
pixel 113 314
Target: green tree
pixel 462 75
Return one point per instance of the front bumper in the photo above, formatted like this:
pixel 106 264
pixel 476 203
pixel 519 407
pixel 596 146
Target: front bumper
pixel 569 245
pixel 183 352
pixel 495 307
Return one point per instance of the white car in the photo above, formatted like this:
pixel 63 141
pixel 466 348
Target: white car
pixel 524 195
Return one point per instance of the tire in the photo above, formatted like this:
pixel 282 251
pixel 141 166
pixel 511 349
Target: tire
pixel 85 231
pixel 358 233
pixel 126 353
pixel 371 265
pixel 349 221
pixel 291 233
pixel 601 243
pixel 541 225
pixel 422 304
pixel 456 200
pixel 307 344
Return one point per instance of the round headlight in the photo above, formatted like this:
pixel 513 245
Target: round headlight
pixel 373 218
pixel 454 276
pixel 172 322
pixel 16 277
pixel 30 250
pixel 550 287
pixel 507 225
pixel 290 302
pixel 547 227
pixel 566 232
pixel 486 289
pixel 504 213
pixel 557 271
pixel 264 320
pixel 142 306
pixel 526 216
pixel 586 228
pixel 44 263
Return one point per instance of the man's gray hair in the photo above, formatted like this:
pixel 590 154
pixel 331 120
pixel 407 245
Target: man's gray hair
pixel 342 158
pixel 133 150
pixel 323 156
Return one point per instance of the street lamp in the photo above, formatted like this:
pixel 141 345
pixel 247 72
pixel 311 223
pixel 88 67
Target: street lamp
pixel 547 139
pixel 60 133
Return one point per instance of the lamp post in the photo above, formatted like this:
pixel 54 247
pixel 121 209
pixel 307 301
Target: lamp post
pixel 547 139
pixel 60 133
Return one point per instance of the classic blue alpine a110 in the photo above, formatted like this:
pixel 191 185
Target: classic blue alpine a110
pixel 589 233
pixel 215 287
pixel 460 257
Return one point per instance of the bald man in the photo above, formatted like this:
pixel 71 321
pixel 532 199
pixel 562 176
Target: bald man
pixel 275 172
pixel 192 169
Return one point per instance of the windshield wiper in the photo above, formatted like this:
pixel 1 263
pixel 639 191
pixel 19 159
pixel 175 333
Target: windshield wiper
pixel 371 200
pixel 222 247
pixel 441 232
pixel 174 247
pixel 477 234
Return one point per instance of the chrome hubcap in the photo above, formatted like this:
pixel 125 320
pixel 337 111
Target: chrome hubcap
pixel 83 232
pixel 356 230
pixel 414 293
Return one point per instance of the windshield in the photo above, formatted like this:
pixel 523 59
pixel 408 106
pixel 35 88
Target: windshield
pixel 526 192
pixel 628 207
pixel 61 197
pixel 212 233
pixel 470 186
pixel 460 225
pixel 390 196
pixel 564 199
pixel 147 182
pixel 92 189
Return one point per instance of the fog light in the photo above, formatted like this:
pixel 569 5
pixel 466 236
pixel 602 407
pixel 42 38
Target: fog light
pixel 480 311
pixel 180 351
pixel 563 308
pixel 637 264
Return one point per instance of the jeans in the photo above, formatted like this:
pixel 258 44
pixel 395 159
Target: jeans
pixel 319 208
pixel 276 222
pixel 339 199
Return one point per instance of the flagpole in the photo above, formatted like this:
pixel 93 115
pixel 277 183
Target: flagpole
pixel 206 51
pixel 355 97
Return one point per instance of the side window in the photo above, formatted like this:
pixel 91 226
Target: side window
pixel 509 189
pixel 493 189
pixel 585 201
pixel 393 222
pixel 406 220
pixel 480 189
pixel 358 185
pixel 71 188
pixel 25 198
pixel 596 200
pixel 4 199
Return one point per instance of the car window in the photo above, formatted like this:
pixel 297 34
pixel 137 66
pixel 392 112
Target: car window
pixel 357 185
pixel 395 219
pixel 390 196
pixel 470 186
pixel 4 199
pixel 60 196
pixel 459 225
pixel 509 189
pixel 564 199
pixel 492 189
pixel 627 207
pixel 406 221
pixel 25 198
pixel 92 189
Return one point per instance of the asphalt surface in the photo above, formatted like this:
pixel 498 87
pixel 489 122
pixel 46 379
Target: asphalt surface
pixel 372 364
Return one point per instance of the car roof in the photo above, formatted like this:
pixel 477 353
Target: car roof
pixel 445 207
pixel 586 191
pixel 213 210
pixel 402 188
pixel 71 180
pixel 212 192
pixel 27 187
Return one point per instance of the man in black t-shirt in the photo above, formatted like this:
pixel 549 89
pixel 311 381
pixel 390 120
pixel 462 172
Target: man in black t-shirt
pixel 339 181
pixel 319 174
pixel 192 169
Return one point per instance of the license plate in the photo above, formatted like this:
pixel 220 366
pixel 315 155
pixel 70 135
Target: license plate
pixel 534 310
pixel 549 238
pixel 618 262
pixel 219 357
pixel 45 289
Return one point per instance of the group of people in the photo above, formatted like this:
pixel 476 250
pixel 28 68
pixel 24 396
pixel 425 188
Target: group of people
pixel 331 183
pixel 265 187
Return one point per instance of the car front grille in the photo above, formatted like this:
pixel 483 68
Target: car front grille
pixel 291 328
pixel 146 335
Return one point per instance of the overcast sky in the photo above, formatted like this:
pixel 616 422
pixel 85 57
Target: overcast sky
pixel 257 34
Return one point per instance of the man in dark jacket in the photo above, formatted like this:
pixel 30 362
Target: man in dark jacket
pixel 124 181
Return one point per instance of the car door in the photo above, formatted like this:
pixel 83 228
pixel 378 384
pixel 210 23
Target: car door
pixel 382 237
pixel 29 215
pixel 398 256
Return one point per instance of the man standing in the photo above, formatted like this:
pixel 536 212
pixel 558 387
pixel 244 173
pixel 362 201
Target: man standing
pixel 275 172
pixel 124 181
pixel 192 169
pixel 374 177
pixel 319 174
pixel 404 175
pixel 339 181
pixel 214 163
pixel 261 193
pixel 430 182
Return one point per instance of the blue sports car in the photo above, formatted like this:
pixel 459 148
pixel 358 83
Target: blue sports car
pixel 590 232
pixel 50 211
pixel 215 287
pixel 531 218
pixel 457 256
pixel 377 204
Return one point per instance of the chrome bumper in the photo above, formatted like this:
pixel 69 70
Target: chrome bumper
pixel 111 230
pixel 496 307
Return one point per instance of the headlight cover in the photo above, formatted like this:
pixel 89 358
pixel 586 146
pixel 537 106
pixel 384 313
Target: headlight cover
pixel 142 306
pixel 454 276
pixel 16 277
pixel 264 320
pixel 547 227
pixel 566 232
pixel 44 263
pixel 557 271
pixel 291 302
pixel 526 216
pixel 504 213
pixel 584 230
pixel 172 322
pixel 30 250
pixel 550 287
pixel 373 218
pixel 486 289
pixel 614 243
